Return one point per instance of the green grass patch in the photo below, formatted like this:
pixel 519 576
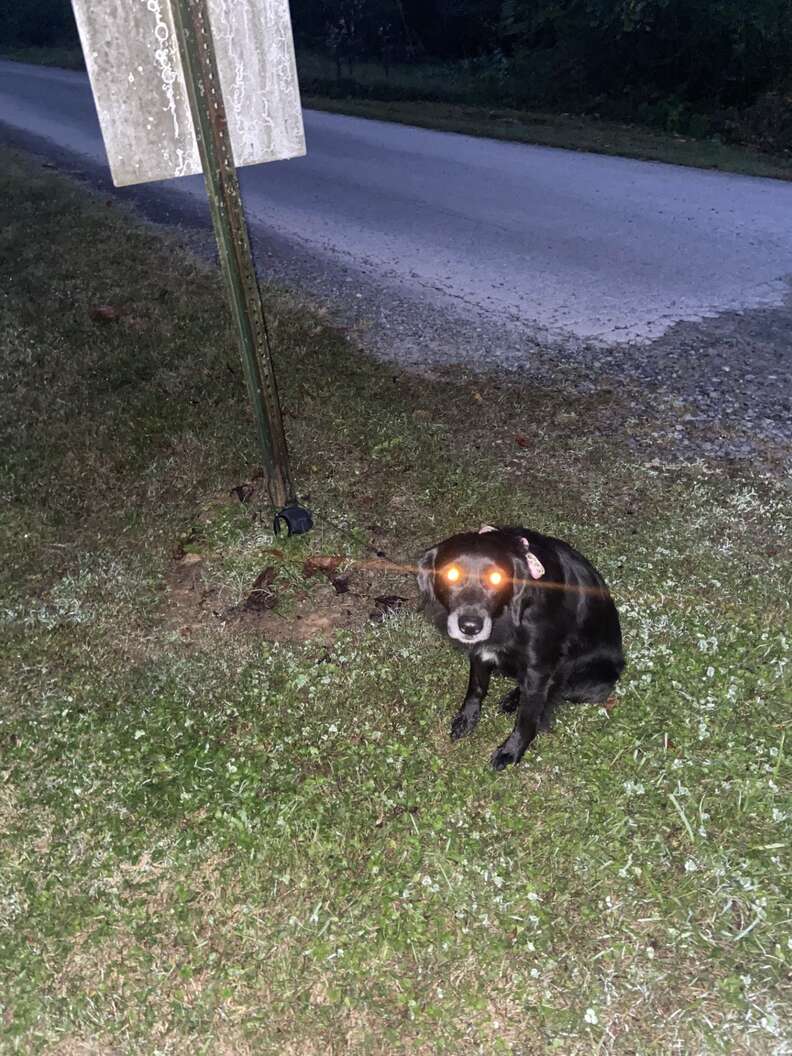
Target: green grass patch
pixel 220 834
pixel 567 131
pixel 473 99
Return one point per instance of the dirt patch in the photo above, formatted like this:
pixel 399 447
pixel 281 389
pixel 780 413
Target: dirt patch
pixel 279 611
pixel 310 615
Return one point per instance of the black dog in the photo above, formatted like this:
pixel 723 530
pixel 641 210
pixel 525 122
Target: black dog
pixel 531 608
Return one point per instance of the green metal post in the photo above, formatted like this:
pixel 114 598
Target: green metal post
pixel 196 47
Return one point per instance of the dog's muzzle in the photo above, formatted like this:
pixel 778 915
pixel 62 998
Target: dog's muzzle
pixel 469 626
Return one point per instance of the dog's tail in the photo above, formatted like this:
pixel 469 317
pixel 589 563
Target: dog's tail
pixel 592 678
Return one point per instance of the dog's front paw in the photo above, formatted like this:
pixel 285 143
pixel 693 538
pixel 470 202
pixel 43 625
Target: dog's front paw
pixel 510 752
pixel 464 723
pixel 503 757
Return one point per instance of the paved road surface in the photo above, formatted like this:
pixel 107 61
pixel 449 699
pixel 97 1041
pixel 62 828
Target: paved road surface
pixel 567 244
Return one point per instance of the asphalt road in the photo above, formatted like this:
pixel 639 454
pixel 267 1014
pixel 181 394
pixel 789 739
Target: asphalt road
pixel 564 244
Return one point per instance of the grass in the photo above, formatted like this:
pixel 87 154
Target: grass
pixel 567 131
pixel 463 98
pixel 445 108
pixel 218 837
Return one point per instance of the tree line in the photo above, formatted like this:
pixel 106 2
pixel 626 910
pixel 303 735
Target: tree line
pixel 716 51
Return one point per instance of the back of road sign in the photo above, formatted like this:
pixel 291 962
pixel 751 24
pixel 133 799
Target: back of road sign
pixel 138 84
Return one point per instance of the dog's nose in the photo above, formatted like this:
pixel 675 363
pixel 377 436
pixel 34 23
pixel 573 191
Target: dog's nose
pixel 470 624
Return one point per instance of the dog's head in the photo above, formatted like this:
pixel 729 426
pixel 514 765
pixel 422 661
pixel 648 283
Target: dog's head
pixel 476 579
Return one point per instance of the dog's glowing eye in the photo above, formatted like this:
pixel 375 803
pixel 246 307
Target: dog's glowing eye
pixel 495 577
pixel 452 574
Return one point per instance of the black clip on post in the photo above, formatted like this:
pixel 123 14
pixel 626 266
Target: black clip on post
pixel 297 519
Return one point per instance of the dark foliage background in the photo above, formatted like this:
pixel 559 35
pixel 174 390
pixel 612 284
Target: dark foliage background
pixel 693 66
pixel 699 67
pixel 36 23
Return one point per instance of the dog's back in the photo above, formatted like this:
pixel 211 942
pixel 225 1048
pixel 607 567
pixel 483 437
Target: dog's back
pixel 593 652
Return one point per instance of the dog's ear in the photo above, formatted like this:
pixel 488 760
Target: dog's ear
pixel 535 566
pixel 525 566
pixel 426 567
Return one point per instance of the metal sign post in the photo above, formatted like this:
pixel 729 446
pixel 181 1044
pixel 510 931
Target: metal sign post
pixel 171 103
pixel 196 47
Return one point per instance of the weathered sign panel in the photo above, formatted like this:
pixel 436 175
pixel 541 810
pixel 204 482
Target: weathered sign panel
pixel 140 94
